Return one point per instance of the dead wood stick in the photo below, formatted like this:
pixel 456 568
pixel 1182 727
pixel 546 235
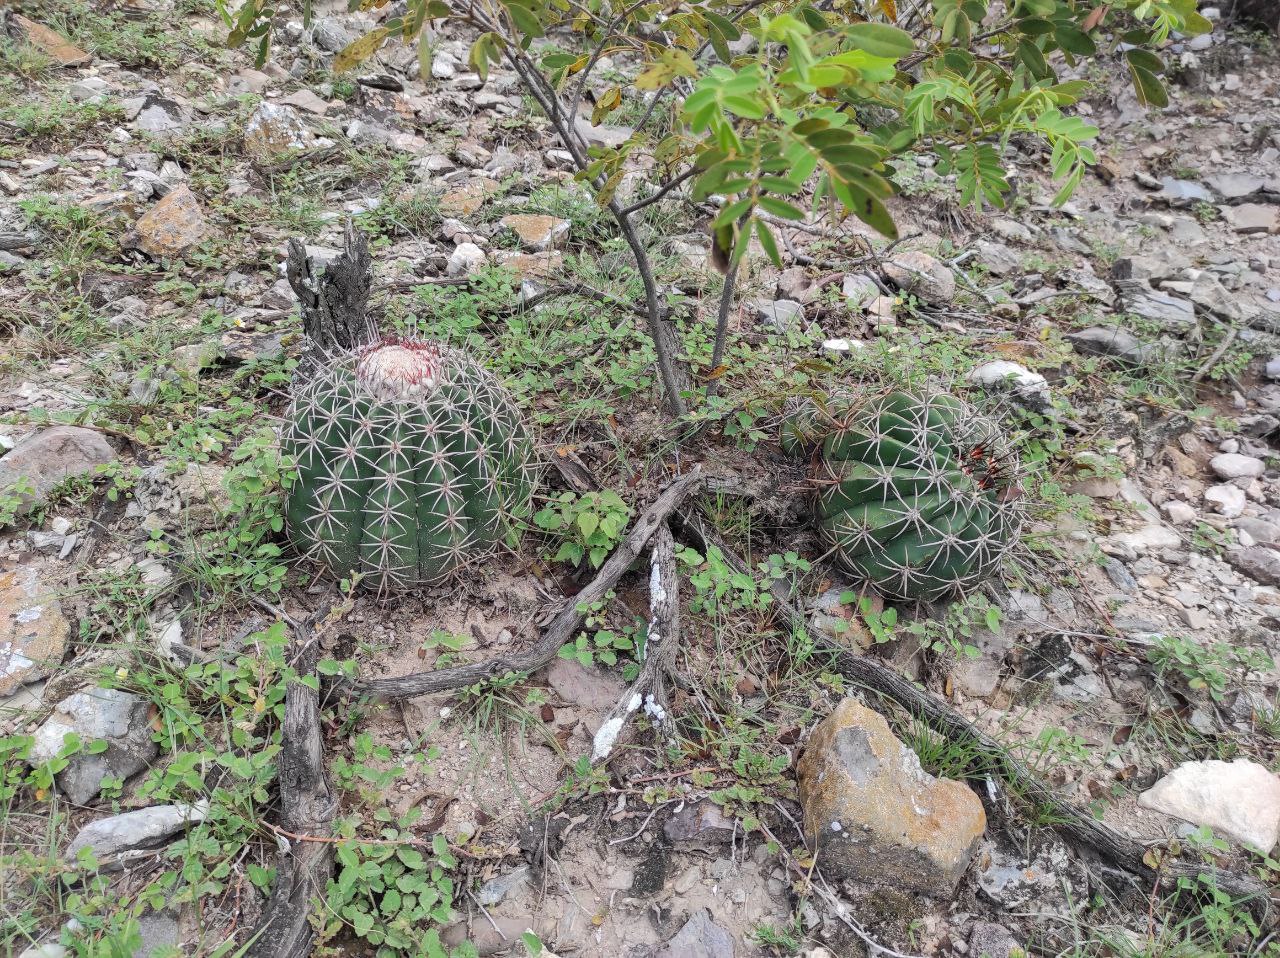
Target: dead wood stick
pixel 560 630
pixel 661 640
pixel 1075 823
pixel 333 296
pixel 307 807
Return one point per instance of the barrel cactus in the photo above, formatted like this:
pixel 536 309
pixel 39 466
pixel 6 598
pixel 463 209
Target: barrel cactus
pixel 915 493
pixel 411 458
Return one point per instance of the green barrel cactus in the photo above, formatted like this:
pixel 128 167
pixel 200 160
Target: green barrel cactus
pixel 916 494
pixel 411 458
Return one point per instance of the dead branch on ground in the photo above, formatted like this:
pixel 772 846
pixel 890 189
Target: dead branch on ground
pixel 307 808
pixel 649 691
pixel 559 631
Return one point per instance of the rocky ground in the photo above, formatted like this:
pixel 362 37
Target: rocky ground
pixel 149 182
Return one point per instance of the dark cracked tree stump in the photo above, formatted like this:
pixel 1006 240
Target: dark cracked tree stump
pixel 334 295
pixel 307 809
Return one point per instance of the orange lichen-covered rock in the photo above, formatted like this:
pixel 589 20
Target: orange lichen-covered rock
pixel 874 815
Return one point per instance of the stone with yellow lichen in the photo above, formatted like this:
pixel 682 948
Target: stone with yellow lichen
pixel 875 815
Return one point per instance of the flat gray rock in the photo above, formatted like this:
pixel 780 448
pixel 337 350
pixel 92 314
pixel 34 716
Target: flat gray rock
pixel 699 938
pixel 145 828
pixel 119 718
pixel 40 462
pixel 1111 341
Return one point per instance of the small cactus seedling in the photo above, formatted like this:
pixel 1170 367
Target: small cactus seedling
pixel 411 458
pixel 916 494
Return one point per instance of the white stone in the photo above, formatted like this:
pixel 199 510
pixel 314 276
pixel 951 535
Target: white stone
pixel 50 950
pixel 145 827
pixel 1030 388
pixel 842 347
pixel 1178 512
pixel 466 259
pixel 89 90
pixel 1233 465
pixel 1149 537
pixel 1228 500
pixel 1239 800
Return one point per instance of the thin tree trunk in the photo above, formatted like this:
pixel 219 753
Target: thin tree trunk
pixel 1263 13
pixel 672 370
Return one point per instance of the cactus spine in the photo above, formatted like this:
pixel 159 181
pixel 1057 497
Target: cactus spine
pixel 916 494
pixel 411 457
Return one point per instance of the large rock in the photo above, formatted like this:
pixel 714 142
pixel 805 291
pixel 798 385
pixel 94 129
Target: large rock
pixel 1170 312
pixel 1239 799
pixel 119 718
pixel 701 826
pixel 1254 218
pixel 699 938
pixel 1111 341
pixel 465 259
pixel 1150 538
pixel 156 114
pixel 1233 465
pixel 1028 388
pixel 41 461
pixel 923 276
pixel 173 226
pixel 1041 874
pixel 590 691
pixel 145 828
pixel 274 129
pixel 1183 193
pixel 33 630
pixel 988 940
pixel 999 259
pixel 875 815
pixel 467 199
pixel 61 50
pixel 781 314
pixel 1236 186
pixel 1260 563
pixel 537 232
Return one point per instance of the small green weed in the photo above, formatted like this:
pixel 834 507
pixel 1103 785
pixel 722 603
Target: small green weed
pixel 786 940
pixel 1214 668
pixel 598 644
pixel 59 121
pixel 589 524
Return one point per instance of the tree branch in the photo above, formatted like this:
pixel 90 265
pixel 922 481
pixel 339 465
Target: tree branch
pixel 648 691
pixel 307 808
pixel 333 298
pixel 663 190
pixel 560 630
pixel 722 327
pixel 675 379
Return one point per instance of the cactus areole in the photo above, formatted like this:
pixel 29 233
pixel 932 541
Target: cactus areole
pixel 916 495
pixel 411 459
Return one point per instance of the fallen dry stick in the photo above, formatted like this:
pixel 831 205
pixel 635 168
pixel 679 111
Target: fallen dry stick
pixel 307 807
pixel 648 691
pixel 559 631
